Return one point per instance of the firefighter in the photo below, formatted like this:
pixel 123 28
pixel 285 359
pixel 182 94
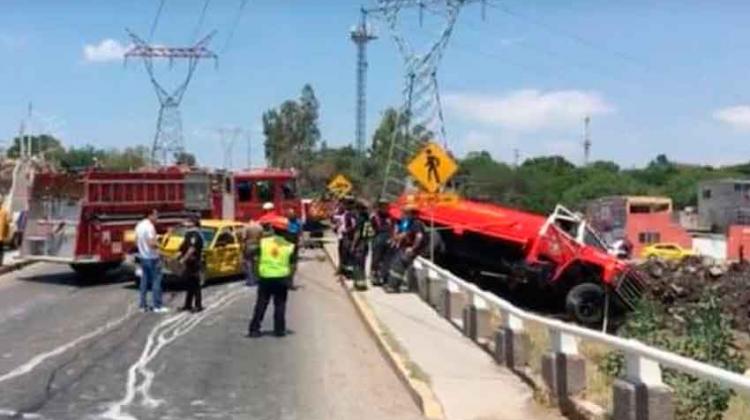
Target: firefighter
pixel 382 227
pixel 273 263
pixel 191 257
pixel 409 240
pixel 360 245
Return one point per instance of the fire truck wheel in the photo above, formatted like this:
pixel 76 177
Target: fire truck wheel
pixel 585 304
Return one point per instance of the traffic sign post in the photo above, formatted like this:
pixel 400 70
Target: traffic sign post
pixel 432 167
pixel 340 185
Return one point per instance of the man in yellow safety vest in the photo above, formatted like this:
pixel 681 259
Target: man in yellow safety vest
pixel 274 260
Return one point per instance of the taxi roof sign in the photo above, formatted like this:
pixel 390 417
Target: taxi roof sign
pixel 340 185
pixel 432 167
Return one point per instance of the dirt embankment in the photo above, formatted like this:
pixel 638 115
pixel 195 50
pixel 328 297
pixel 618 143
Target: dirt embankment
pixel 676 285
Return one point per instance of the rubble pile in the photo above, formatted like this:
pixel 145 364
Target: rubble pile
pixel 678 285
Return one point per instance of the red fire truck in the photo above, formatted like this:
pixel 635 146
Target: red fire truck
pixel 82 219
pixel 240 195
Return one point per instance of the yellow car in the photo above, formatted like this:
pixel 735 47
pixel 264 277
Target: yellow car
pixel 666 251
pixel 222 248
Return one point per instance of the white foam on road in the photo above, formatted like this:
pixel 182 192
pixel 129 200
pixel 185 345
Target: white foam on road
pixel 140 377
pixel 40 358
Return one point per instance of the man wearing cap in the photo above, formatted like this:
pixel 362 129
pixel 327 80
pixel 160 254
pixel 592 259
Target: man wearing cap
pixel 382 227
pixel 409 240
pixel 273 263
pixel 191 257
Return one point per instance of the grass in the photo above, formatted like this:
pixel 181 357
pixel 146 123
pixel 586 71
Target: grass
pixel 598 384
pixel 540 344
pixel 739 408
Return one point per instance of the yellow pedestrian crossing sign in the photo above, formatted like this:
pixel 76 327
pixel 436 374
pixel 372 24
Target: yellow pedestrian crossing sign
pixel 340 185
pixel 432 167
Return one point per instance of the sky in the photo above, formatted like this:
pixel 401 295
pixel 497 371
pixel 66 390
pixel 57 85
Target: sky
pixel 655 77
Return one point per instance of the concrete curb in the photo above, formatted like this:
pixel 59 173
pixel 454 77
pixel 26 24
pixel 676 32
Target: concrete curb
pixel 420 390
pixel 5 269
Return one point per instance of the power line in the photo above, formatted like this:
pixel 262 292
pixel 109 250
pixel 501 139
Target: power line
pixel 201 18
pixel 156 20
pixel 233 28
pixel 570 35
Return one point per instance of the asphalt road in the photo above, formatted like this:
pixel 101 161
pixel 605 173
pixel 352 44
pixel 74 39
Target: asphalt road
pixel 76 351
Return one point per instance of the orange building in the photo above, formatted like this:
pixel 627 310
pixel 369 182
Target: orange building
pixel 643 220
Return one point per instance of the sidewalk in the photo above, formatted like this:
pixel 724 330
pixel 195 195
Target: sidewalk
pixel 465 380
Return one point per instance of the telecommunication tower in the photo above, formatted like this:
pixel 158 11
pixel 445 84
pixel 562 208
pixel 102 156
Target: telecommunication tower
pixel 361 35
pixel 168 140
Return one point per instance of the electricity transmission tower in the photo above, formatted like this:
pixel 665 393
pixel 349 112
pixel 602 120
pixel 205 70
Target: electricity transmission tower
pixel 361 35
pixel 421 107
pixel 228 137
pixel 168 140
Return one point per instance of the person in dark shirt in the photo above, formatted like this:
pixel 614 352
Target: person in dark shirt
pixel 191 256
pixel 409 240
pixel 360 246
pixel 382 227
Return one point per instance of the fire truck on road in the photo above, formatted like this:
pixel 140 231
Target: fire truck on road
pixel 87 219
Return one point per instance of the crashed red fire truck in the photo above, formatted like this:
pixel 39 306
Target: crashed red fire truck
pixel 560 256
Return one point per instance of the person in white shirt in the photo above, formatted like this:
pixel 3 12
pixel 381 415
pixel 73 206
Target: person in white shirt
pixel 148 253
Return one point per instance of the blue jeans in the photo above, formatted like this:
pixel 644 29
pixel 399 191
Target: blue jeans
pixel 151 277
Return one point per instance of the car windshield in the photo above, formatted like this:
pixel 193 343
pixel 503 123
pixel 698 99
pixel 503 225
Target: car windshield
pixel 208 233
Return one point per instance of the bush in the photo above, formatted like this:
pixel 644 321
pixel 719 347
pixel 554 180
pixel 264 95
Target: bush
pixel 697 331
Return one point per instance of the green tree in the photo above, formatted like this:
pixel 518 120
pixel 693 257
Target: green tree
pixel 292 133
pixel 43 143
pixel 185 158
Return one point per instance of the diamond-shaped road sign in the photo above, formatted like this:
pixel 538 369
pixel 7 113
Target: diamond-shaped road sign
pixel 339 185
pixel 432 167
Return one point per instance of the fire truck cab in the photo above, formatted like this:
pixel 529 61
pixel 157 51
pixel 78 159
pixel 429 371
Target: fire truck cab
pixel 244 193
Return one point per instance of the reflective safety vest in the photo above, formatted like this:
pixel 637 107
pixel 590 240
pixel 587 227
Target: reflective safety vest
pixel 275 258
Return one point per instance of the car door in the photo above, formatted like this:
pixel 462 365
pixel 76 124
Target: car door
pixel 233 253
pixel 227 250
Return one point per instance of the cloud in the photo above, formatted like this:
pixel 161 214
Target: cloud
pixel 735 116
pixel 528 109
pixel 106 50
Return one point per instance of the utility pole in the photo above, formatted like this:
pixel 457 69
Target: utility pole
pixel 168 140
pixel 586 141
pixel 361 35
pixel 516 157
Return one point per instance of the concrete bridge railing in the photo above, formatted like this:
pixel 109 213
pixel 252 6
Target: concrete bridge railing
pixel 639 395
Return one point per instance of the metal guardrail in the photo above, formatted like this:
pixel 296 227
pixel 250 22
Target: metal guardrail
pixel 643 363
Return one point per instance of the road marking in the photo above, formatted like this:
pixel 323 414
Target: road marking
pixel 164 333
pixel 40 358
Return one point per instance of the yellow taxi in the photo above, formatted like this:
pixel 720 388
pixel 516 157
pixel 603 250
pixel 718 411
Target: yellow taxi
pixel 222 247
pixel 666 251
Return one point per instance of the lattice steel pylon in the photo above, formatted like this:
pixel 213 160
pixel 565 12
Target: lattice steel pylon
pixel 168 140
pixel 421 106
pixel 361 35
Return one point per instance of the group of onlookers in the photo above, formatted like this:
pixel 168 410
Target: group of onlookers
pixel 270 247
pixel 395 239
